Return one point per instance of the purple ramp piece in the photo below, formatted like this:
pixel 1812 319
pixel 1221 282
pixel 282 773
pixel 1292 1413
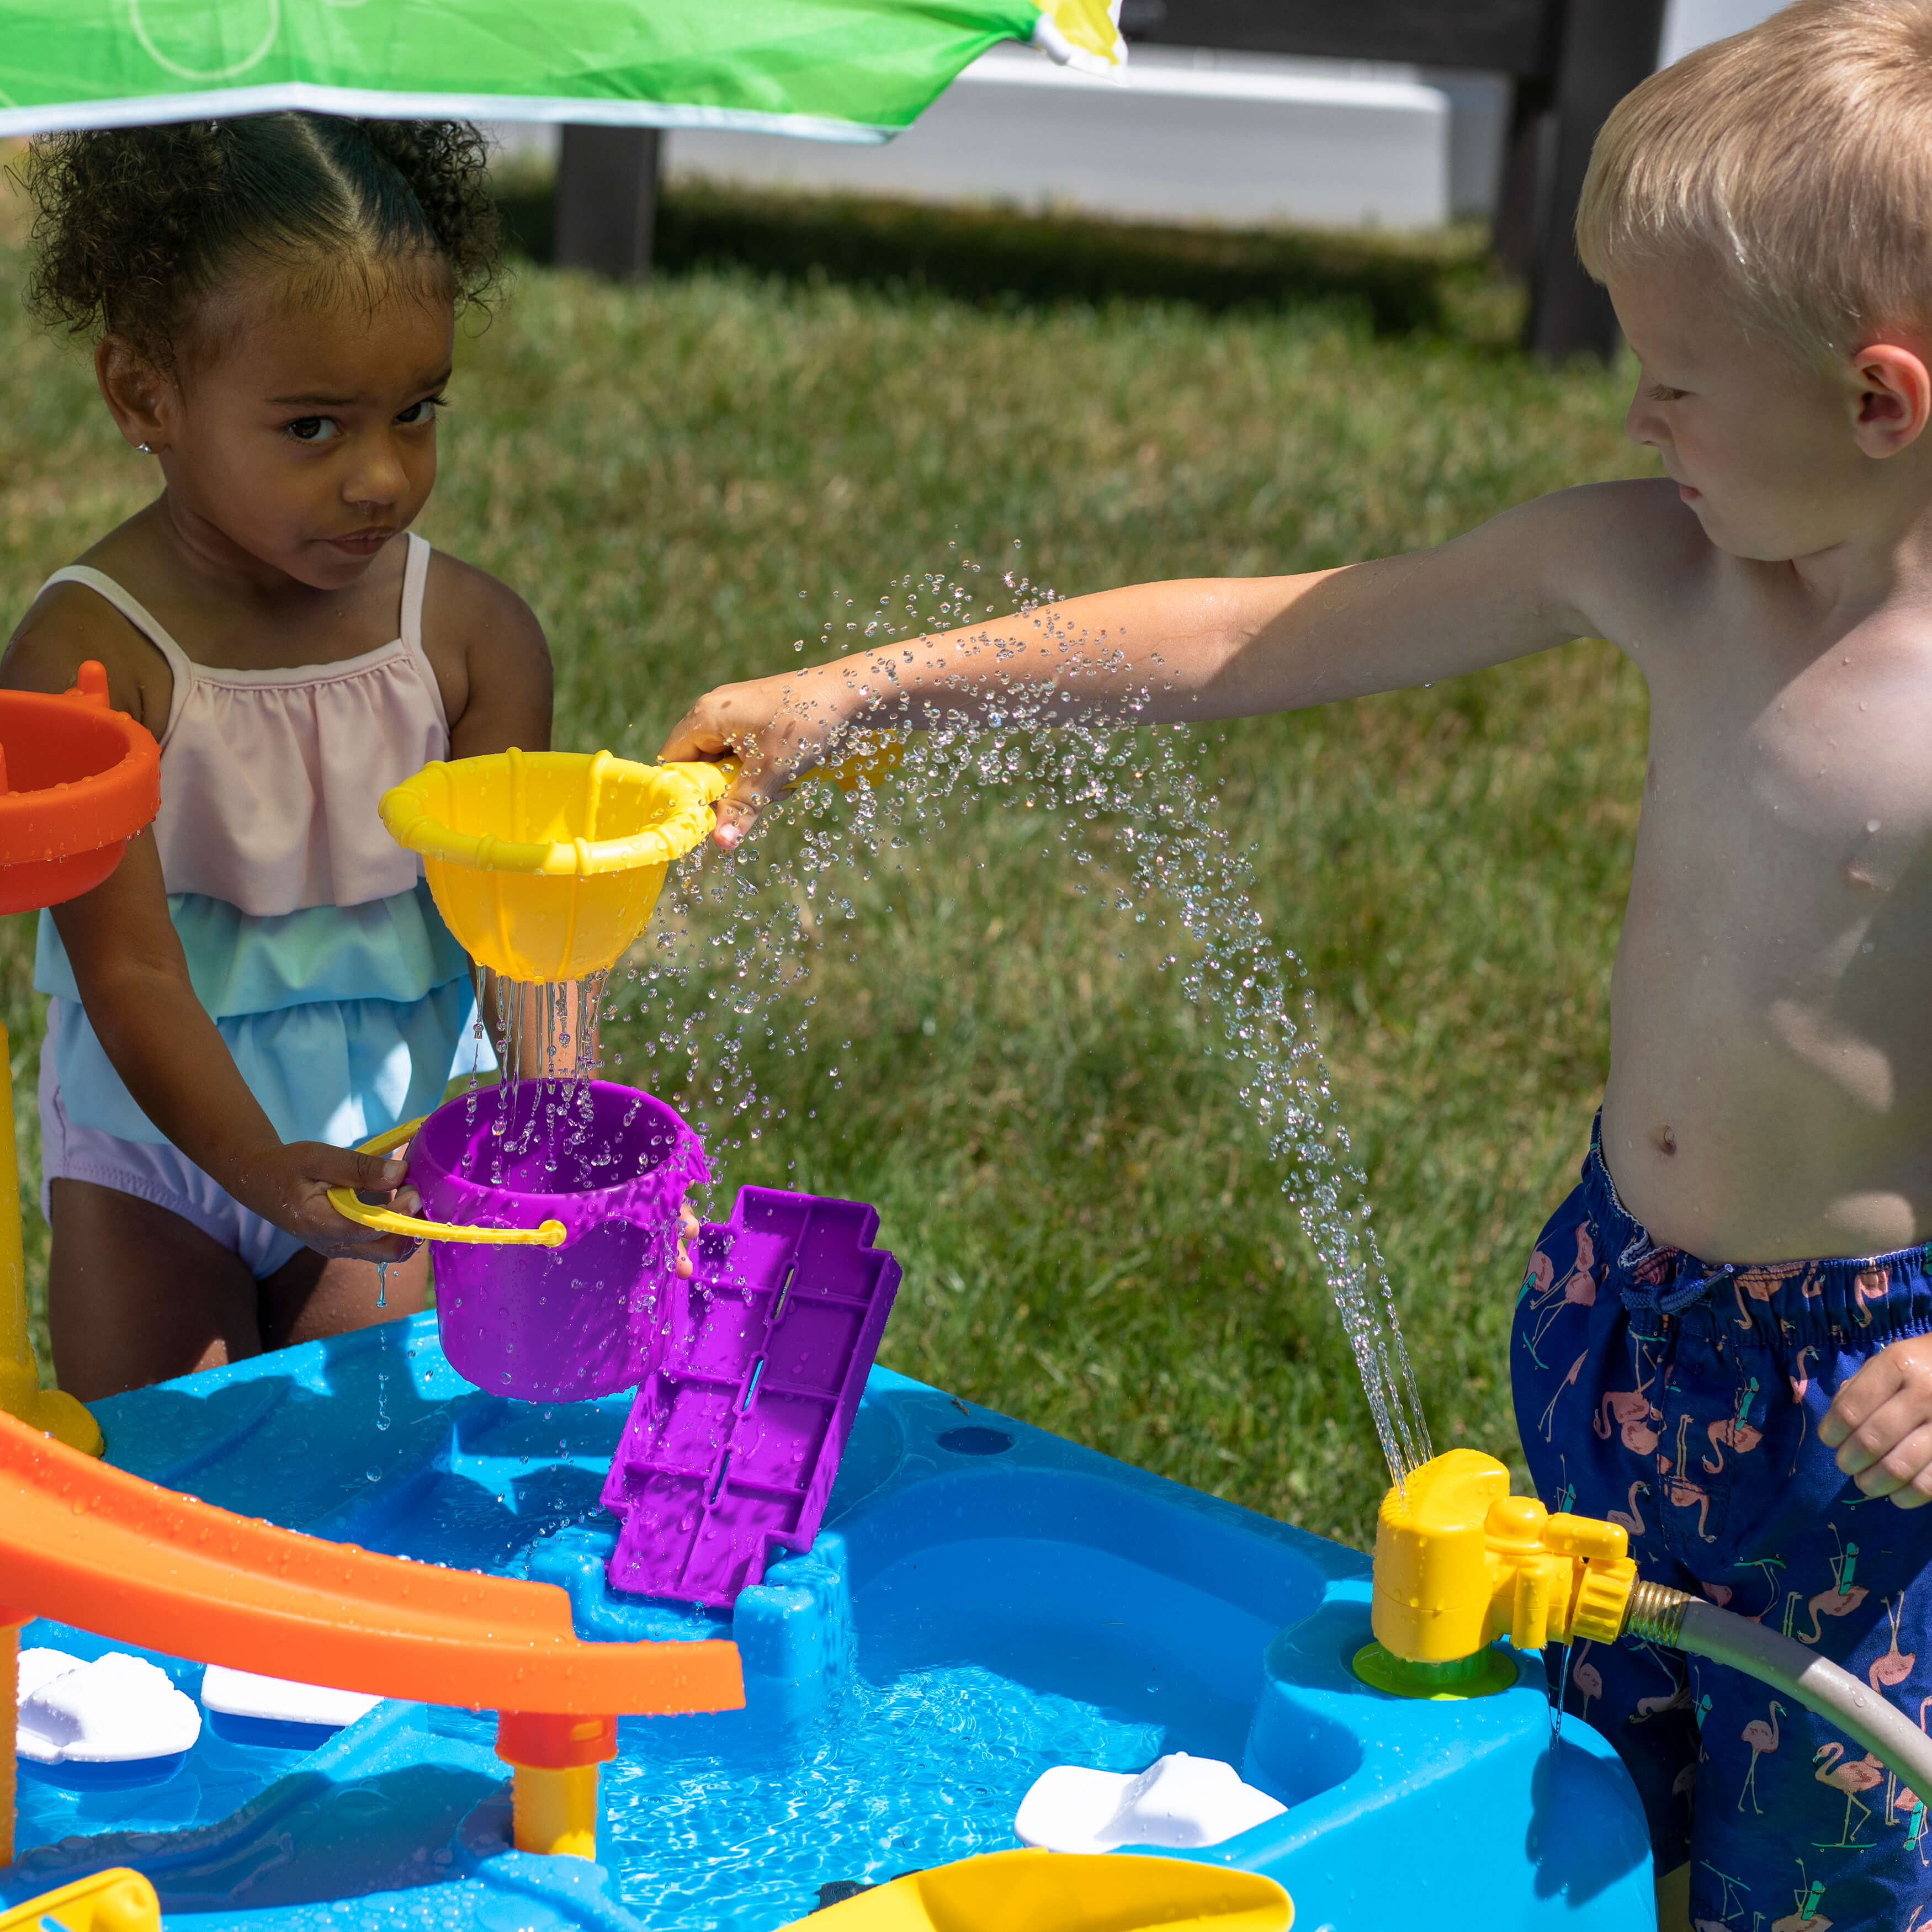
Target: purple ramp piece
pixel 735 1436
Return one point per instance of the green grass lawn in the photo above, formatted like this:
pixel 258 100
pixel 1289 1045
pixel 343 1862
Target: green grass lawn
pixel 1093 1235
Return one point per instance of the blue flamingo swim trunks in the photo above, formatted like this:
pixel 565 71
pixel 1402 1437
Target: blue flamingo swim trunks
pixel 1683 1400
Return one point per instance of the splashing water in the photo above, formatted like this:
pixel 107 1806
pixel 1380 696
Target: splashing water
pixel 725 973
pixel 1560 1692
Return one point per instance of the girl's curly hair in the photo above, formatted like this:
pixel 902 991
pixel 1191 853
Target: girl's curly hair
pixel 134 226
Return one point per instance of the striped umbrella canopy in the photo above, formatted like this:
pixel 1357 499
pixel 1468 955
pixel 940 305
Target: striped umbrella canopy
pixel 829 70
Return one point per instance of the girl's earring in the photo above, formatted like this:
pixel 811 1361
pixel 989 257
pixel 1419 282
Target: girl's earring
pixel 144 449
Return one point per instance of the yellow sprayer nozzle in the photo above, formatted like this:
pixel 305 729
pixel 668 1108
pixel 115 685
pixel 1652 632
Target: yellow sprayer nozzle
pixel 1459 1562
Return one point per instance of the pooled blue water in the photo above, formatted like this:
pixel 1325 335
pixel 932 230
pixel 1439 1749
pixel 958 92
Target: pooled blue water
pixel 927 1768
pixel 218 1778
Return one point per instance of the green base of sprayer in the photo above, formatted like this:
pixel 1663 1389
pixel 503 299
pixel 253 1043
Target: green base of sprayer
pixel 1489 1671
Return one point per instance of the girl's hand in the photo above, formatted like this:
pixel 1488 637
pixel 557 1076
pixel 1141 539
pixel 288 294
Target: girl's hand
pixel 776 726
pixel 687 1233
pixel 1882 1418
pixel 290 1183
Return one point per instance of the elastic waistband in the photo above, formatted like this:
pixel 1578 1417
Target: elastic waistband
pixel 1869 1297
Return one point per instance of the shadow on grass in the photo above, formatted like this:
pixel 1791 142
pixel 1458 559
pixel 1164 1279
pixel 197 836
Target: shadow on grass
pixel 1400 285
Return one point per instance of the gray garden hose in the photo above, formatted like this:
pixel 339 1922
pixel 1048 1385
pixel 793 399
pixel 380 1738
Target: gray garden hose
pixel 1685 1622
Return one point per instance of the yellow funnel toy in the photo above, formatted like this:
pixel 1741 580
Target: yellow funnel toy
pixel 1065 1892
pixel 546 865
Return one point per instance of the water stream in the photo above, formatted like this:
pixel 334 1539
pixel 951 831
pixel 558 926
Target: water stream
pixel 725 974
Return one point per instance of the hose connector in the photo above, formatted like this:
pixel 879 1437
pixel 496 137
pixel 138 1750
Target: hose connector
pixel 1656 1612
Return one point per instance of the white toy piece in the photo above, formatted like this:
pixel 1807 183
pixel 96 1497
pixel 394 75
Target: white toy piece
pixel 40 1666
pixel 280 1700
pixel 1178 1801
pixel 117 1710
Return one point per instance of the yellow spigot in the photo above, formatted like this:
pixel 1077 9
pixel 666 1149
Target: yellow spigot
pixel 1460 1562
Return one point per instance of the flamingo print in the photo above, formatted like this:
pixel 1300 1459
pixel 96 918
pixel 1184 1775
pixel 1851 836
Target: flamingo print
pixel 1807 1918
pixel 1730 1904
pixel 1770 1565
pixel 1901 1798
pixel 1677 1698
pixel 1577 1289
pixel 1895 1666
pixel 1842 1599
pixel 1762 1737
pixel 1801 1384
pixel 1679 1490
pixel 1851 1777
pixel 1632 1409
pixel 1548 1419
pixel 1761 1285
pixel 1869 1284
pixel 1740 1438
pixel 1588 1679
pixel 1800 1921
pixel 1905 1799
pixel 1633 1521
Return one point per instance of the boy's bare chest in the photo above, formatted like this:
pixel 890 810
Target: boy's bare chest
pixel 1814 790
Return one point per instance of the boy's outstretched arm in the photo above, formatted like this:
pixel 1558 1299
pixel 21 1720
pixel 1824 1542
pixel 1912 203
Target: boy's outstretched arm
pixel 1205 648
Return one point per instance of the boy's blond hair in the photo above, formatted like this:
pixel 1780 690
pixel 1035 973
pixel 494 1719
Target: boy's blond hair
pixel 1797 157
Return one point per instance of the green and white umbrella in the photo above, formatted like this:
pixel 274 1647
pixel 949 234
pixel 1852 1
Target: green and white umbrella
pixel 830 70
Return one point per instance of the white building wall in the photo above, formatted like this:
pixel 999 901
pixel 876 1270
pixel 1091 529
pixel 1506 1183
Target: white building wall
pixel 1185 136
pixel 1689 23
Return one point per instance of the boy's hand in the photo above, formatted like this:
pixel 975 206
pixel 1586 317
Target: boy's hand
pixel 777 727
pixel 288 1185
pixel 1881 1424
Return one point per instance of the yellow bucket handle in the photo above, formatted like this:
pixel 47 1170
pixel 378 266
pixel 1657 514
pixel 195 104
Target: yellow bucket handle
pixel 387 1221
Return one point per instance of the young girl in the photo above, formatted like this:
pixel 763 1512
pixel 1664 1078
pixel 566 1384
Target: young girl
pixel 265 981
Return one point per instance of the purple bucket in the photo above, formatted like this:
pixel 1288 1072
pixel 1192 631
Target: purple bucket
pixel 564 1323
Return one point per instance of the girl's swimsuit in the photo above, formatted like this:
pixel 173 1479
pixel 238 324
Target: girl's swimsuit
pixel 311 937
pixel 1683 1400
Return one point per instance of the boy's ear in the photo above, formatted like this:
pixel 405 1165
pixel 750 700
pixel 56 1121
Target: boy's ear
pixel 1892 397
pixel 139 396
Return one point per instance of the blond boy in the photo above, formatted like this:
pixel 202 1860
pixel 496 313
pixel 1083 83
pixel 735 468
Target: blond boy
pixel 1728 1318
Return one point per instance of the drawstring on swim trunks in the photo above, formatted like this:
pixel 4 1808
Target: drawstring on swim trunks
pixel 1645 1298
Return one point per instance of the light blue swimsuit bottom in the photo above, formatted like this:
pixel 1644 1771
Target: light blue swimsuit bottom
pixel 344 1022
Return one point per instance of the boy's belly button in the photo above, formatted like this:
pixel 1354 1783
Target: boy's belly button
pixel 1664 1140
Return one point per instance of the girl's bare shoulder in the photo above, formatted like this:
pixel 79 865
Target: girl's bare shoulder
pixel 490 655
pixel 69 622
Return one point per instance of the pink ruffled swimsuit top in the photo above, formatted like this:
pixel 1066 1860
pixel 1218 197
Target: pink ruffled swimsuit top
pixel 311 937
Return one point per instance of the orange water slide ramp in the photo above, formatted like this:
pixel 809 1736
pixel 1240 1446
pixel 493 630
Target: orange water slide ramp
pixel 109 1552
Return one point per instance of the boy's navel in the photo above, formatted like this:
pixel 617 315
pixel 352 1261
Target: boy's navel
pixel 1664 1140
